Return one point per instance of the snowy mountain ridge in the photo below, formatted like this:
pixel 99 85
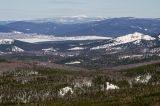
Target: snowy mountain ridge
pixel 135 38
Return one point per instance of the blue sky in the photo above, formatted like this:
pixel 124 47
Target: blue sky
pixel 36 9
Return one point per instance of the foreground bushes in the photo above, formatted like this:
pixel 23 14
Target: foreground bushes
pixel 39 86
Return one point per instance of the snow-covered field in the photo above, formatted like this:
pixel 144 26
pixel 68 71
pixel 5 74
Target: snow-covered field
pixel 34 38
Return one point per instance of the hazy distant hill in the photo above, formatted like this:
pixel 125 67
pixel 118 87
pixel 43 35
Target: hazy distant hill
pixel 108 27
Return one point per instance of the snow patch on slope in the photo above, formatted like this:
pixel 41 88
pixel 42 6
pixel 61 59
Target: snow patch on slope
pixel 17 49
pixel 77 48
pixel 111 86
pixel 49 50
pixel 143 78
pixel 130 56
pixel 155 50
pixel 17 32
pixel 82 83
pixel 73 62
pixel 6 41
pixel 65 91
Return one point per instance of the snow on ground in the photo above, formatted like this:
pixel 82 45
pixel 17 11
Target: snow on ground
pixel 1 53
pixel 137 42
pixel 83 83
pixel 130 56
pixel 36 39
pixel 6 41
pixel 49 50
pixel 70 55
pixel 155 50
pixel 143 78
pixel 85 38
pixel 65 91
pixel 77 48
pixel 73 62
pixel 28 29
pixel 32 73
pixel 146 29
pixel 135 37
pixel 17 49
pixel 114 48
pixel 110 86
pixel 17 32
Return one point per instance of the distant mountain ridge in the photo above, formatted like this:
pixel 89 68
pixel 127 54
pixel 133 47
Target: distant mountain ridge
pixel 109 27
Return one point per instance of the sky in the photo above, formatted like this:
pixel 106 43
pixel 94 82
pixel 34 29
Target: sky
pixel 38 9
